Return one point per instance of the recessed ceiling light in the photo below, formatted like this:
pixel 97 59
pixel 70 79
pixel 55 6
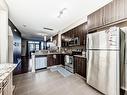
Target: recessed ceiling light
pixel 24 25
pixel 42 34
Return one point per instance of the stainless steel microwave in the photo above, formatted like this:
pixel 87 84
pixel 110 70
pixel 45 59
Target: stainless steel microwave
pixel 75 41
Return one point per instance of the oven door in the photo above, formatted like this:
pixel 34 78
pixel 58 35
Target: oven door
pixel 67 59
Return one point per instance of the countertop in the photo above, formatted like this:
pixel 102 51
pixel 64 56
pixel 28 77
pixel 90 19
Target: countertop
pixel 44 54
pixel 5 70
pixel 82 56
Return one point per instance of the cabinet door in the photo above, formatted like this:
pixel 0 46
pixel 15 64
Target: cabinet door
pixel 62 59
pixel 82 37
pixel 84 67
pixel 84 31
pixel 57 59
pixel 91 21
pixel 100 17
pixel 79 66
pixel 74 65
pixel 75 32
pixel 50 61
pixel 106 15
pixel 95 19
pixel 125 8
pixel 112 10
pixel 120 9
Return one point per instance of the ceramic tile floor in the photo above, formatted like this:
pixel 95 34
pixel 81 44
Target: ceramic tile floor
pixel 51 83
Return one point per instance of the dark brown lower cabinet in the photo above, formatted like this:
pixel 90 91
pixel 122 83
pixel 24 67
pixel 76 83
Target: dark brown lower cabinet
pixel 55 59
pixel 80 66
pixel 62 59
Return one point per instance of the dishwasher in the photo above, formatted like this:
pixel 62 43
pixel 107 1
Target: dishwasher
pixel 40 63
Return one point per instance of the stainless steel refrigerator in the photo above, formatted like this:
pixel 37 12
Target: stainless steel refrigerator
pixel 105 54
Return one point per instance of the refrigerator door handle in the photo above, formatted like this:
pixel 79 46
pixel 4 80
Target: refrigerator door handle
pixel 87 54
pixel 87 48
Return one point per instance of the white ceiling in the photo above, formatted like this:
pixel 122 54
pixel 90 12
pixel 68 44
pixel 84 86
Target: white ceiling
pixel 37 14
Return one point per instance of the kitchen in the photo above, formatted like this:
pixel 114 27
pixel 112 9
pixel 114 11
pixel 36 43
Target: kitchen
pixel 85 57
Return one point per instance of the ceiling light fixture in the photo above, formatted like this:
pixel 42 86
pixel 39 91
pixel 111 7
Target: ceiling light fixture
pixel 61 12
pixel 48 28
pixel 42 34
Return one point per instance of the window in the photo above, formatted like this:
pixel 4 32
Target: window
pixel 33 45
pixel 42 45
pixel 37 47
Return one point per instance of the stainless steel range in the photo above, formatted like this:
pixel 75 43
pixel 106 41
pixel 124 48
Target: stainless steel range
pixel 69 63
pixel 69 60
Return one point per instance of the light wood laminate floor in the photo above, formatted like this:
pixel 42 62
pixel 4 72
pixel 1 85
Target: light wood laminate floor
pixel 51 83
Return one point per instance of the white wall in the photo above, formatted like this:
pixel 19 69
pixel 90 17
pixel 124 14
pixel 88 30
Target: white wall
pixel 3 32
pixel 10 46
pixel 76 23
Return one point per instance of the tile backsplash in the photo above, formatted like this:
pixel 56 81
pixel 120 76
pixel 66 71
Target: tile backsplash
pixel 70 49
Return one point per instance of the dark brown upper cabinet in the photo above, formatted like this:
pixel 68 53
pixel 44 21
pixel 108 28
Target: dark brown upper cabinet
pixel 76 34
pixel 55 39
pixel 113 12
